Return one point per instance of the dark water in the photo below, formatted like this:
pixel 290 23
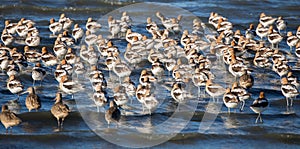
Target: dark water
pixel 236 130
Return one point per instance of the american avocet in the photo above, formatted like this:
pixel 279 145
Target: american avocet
pixel 171 24
pixel 121 69
pixel 266 20
pixel 120 96
pixel 151 26
pixel 149 101
pixel 213 19
pixel 48 59
pixel 22 28
pixel 38 73
pixel 77 32
pixel 99 98
pixel 59 110
pixel 241 92
pixel 4 60
pixel 280 67
pixel 92 25
pixel 113 114
pixel 250 32
pixel 79 67
pixel 98 80
pixel 18 58
pixel 198 27
pixel 10 27
pixel 280 24
pixel 67 39
pixel 261 60
pixel 129 87
pixel 59 72
pixel 261 31
pixel 14 85
pixel 114 26
pixel 236 67
pixel 70 57
pixel 7 38
pixel 90 38
pixel 126 18
pixel 12 68
pixel 278 55
pixel 274 37
pixel 60 49
pixel 129 36
pixel 246 80
pixel 223 25
pixel 32 41
pixel 32 55
pixel 66 66
pixel 177 93
pixel 8 118
pixel 131 56
pixel 55 27
pixel 213 89
pixel 230 99
pixel 68 86
pixel 289 91
pixel 65 21
pixel 154 54
pixel 259 105
pixel 146 77
pixel 199 79
pixel 32 100
pixel 292 79
pixel 157 68
pixel 291 40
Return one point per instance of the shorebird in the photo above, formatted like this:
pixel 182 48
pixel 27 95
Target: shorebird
pixel 113 114
pixel 259 105
pixel 7 38
pixel 10 27
pixel 99 97
pixel 241 93
pixel 55 27
pixel 289 91
pixel 59 110
pixel 8 118
pixel 38 73
pixel 291 40
pixel 32 100
pixel 266 20
pixel 250 32
pixel 48 59
pixel 65 21
pixel 274 37
pixel 129 87
pixel 231 100
pixel 246 80
pixel 14 85
pixel 77 32
pixel 68 86
pixel 92 25
pixel 280 24
pixel 121 69
pixel 213 89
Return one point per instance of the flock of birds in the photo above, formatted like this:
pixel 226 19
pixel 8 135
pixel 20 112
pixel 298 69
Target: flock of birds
pixel 169 48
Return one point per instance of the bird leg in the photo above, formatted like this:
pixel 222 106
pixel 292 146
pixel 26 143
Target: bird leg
pixel 260 118
pixel 257 118
pixel 242 107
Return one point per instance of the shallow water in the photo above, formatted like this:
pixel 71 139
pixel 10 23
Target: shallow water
pixel 233 130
